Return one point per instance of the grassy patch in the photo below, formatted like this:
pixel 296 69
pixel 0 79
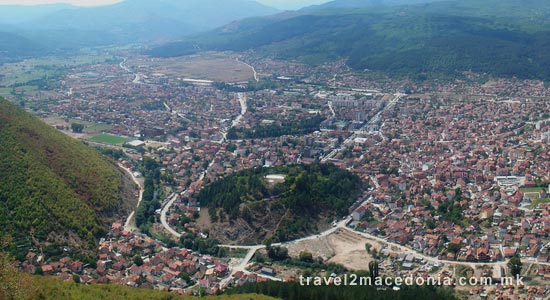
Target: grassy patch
pixel 97 128
pixel 537 201
pixel 110 139
pixel 531 189
pixel 238 253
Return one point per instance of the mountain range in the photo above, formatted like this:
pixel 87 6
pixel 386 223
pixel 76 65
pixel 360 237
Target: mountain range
pixel 441 38
pixel 55 27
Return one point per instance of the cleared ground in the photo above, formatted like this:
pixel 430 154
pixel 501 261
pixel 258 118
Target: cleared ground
pixel 210 66
pixel 350 250
pixel 318 248
pixel 345 248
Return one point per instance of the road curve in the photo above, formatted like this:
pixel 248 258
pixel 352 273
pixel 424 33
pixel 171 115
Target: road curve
pixel 130 225
pixel 174 197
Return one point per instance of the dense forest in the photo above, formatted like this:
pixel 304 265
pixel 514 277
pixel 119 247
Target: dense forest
pixel 294 291
pixel 53 188
pixel 299 127
pixel 307 192
pixel 501 38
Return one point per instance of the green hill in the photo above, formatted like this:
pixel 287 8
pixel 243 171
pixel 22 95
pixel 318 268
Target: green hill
pixel 56 194
pixel 503 38
pixel 252 209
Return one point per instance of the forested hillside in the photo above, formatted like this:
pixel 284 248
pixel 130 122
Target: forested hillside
pixel 502 38
pixel 56 194
pixel 283 210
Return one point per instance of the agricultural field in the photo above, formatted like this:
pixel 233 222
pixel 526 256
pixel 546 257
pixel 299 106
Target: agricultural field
pixel 40 71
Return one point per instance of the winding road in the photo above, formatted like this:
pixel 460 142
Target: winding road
pixel 137 76
pixel 130 222
pixel 251 67
pixel 173 197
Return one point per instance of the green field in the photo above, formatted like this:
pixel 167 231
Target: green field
pixel 537 201
pixel 36 69
pixel 109 139
pixel 532 189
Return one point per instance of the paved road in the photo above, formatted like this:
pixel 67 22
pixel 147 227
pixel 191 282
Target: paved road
pixel 331 109
pixel 251 67
pixel 373 120
pixel 403 249
pixel 163 212
pixel 137 76
pixel 130 223
pixel 172 198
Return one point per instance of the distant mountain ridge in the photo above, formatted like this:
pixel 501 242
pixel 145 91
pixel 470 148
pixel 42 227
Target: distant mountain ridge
pixel 366 3
pixel 130 21
pixel 57 196
pixel 503 38
pixel 14 43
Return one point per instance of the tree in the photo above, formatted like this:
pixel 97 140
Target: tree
pixel 374 271
pixel 515 265
pixel 267 243
pixel 277 253
pixel 77 128
pixel 306 256
pixel 138 260
pixel 368 247
pixel 76 278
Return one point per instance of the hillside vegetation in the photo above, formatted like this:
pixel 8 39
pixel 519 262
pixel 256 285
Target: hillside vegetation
pixel 294 291
pixel 15 285
pixel 54 289
pixel 503 38
pixel 56 194
pixel 256 209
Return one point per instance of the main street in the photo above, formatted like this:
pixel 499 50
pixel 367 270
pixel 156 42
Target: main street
pixel 346 143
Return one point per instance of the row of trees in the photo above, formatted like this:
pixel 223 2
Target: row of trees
pixel 299 127
pixel 145 214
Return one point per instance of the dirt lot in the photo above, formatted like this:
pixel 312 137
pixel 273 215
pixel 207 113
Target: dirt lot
pixel 210 66
pixel 350 250
pixel 318 248
pixel 345 248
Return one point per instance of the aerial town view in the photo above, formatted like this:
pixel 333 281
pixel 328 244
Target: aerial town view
pixel 275 150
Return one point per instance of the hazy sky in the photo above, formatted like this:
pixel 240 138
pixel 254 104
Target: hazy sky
pixel 281 4
pixel 74 2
